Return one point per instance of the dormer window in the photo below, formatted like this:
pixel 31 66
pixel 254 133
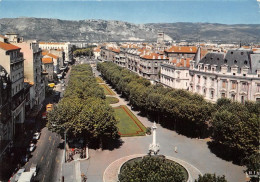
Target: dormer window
pixel 231 52
pixel 242 53
pixel 235 61
pixel 217 58
pixel 225 61
pixel 245 62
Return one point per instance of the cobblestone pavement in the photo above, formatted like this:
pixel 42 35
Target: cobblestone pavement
pixel 190 150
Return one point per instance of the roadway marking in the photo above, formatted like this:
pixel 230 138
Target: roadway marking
pixel 41 158
pixel 49 138
pixel 53 142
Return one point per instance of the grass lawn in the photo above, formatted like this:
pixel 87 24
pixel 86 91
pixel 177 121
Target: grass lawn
pixel 107 90
pixel 112 100
pixel 128 124
pixel 99 80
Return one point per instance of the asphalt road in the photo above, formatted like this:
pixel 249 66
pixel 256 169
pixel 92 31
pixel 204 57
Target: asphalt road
pixel 47 156
pixel 49 152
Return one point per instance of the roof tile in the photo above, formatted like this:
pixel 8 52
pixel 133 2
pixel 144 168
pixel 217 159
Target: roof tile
pixel 8 47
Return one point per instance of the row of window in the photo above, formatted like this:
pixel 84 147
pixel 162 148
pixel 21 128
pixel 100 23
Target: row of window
pixel 14 54
pixel 17 66
pixel 17 88
pixel 17 76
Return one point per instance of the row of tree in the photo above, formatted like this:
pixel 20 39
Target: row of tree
pixel 231 125
pixel 177 109
pixel 83 52
pixel 83 111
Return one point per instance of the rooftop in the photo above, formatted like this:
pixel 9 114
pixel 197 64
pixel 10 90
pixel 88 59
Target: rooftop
pixel 8 46
pixel 182 49
pixel 47 60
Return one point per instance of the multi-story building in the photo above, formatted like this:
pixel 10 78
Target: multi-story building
pixel 234 75
pixel 133 59
pixel 61 57
pixel 181 52
pixel 47 66
pixel 13 62
pixel 33 71
pixel 96 52
pixel 150 65
pixel 55 60
pixel 6 124
pixel 66 47
pixel 175 74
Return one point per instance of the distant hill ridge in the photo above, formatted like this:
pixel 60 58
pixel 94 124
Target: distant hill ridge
pixel 45 29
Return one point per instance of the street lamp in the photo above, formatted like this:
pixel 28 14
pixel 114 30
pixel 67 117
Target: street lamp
pixel 65 134
pixel 65 139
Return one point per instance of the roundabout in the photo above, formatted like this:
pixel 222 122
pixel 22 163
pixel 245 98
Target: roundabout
pixel 115 168
pixel 112 171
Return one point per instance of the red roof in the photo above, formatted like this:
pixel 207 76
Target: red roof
pixel 182 49
pixel 47 60
pixel 44 53
pixel 53 56
pixel 8 47
pixel 153 56
pixel 181 63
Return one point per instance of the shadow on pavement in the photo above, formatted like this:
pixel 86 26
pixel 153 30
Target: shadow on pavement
pixel 107 145
pixel 223 152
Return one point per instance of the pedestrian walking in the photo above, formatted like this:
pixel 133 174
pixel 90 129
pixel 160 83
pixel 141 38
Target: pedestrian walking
pixel 175 149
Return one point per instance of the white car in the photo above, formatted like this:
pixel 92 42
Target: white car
pixel 31 147
pixel 17 175
pixel 36 136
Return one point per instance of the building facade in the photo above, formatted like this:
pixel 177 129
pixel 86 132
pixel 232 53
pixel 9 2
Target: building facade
pixel 6 124
pixel 66 47
pixel 13 62
pixel 33 70
pixel 47 66
pixel 175 74
pixel 234 75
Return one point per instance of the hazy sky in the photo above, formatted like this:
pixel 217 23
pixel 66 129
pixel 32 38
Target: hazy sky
pixel 145 11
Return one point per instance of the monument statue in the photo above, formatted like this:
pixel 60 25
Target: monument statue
pixel 154 147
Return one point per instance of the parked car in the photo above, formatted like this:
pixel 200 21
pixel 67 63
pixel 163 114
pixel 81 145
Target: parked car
pixel 17 175
pixel 34 169
pixel 31 147
pixel 25 158
pixel 36 136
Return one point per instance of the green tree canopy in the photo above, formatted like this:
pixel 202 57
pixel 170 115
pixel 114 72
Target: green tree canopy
pixel 83 111
pixel 211 178
pixel 152 169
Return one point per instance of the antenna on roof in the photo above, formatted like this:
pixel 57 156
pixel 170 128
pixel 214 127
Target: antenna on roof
pixel 240 44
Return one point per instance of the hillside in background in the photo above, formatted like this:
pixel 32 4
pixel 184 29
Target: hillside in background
pixel 45 29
